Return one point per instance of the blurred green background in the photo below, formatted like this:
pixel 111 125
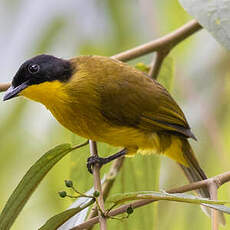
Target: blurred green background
pixel 70 28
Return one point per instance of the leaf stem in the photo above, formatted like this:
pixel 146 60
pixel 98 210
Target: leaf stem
pixel 81 145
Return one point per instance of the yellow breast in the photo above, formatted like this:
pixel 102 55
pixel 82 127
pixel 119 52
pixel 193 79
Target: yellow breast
pixel 73 114
pixel 47 93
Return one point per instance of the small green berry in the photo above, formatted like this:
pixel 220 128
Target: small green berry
pixel 129 210
pixel 96 194
pixel 62 194
pixel 68 183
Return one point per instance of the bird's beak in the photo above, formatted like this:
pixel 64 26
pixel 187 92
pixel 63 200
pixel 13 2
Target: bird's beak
pixel 13 92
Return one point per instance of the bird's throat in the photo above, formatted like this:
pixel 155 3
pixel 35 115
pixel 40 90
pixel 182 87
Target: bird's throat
pixel 46 93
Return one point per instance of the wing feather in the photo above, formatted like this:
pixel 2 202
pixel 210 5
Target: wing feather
pixel 132 99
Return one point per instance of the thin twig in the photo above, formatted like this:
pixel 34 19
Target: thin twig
pixel 168 41
pixel 213 196
pixel 97 186
pixel 157 63
pixel 221 178
pixel 107 185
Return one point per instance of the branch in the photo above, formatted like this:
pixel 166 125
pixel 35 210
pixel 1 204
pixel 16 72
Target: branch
pixel 106 187
pixel 165 43
pixel 97 186
pixel 213 187
pixel 218 180
pixel 156 65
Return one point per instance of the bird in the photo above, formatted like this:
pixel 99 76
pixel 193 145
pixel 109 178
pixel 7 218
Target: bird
pixel 106 100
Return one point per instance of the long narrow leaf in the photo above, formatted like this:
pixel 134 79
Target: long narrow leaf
pixel 178 197
pixel 57 220
pixel 29 183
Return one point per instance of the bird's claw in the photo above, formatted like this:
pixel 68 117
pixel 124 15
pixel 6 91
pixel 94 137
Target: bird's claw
pixel 91 161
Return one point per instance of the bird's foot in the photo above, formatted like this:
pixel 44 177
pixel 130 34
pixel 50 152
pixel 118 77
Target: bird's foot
pixel 91 161
pixel 101 161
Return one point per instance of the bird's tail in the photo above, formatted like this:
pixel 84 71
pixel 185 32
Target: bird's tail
pixel 194 173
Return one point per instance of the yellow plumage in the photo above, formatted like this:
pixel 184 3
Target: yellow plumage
pixel 57 101
pixel 78 114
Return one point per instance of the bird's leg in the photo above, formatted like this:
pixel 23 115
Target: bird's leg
pixel 101 161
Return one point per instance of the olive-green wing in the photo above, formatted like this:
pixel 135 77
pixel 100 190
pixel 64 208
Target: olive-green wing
pixel 134 100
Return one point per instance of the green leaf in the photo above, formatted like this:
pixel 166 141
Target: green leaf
pixel 56 221
pixel 29 183
pixel 178 197
pixel 213 16
pixel 166 74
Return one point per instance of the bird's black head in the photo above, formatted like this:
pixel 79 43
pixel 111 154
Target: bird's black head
pixel 42 68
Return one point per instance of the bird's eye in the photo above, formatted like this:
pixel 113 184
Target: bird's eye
pixel 33 68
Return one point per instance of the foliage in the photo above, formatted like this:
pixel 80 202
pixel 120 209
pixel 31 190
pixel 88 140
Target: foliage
pixel 213 16
pixel 29 183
